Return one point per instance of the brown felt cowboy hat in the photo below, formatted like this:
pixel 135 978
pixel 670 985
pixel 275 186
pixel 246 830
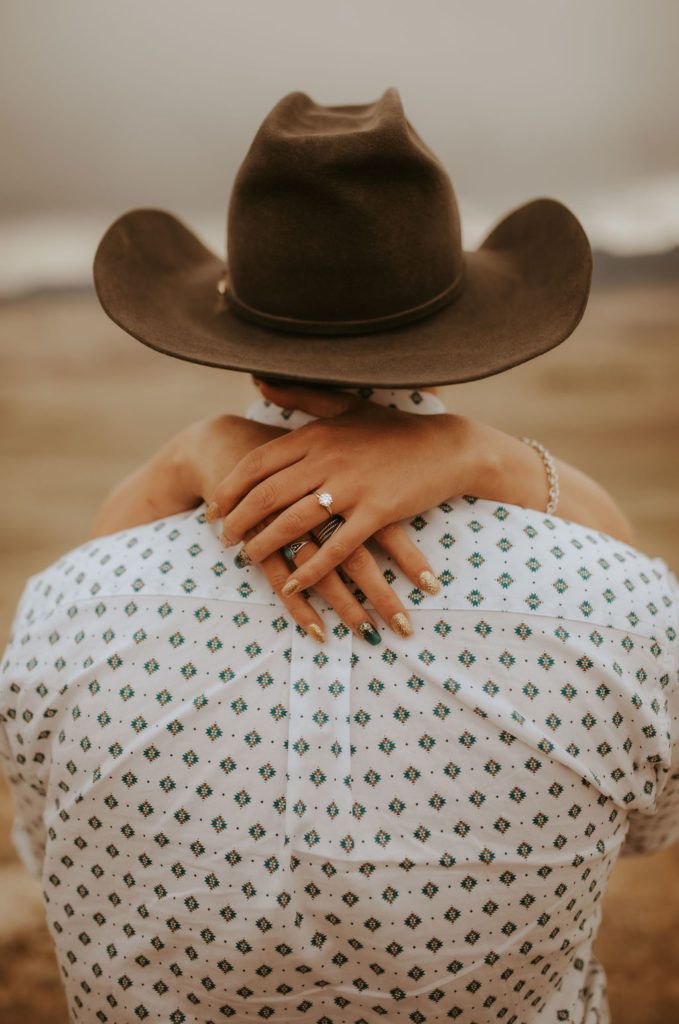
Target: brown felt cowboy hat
pixel 345 263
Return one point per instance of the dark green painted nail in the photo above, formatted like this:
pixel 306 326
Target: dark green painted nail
pixel 242 559
pixel 369 633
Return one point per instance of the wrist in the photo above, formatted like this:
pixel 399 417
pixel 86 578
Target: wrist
pixel 178 462
pixel 495 476
pixel 509 470
pixel 480 464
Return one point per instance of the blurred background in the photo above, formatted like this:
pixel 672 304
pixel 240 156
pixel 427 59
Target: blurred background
pixel 104 107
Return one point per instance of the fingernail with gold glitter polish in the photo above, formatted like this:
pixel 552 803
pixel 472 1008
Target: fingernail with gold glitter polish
pixel 316 633
pixel 242 559
pixel 212 512
pixel 428 582
pixel 400 623
pixel 290 588
pixel 369 633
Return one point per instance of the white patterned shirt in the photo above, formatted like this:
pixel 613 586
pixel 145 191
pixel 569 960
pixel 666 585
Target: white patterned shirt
pixel 231 822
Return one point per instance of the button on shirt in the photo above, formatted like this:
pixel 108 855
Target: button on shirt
pixel 232 822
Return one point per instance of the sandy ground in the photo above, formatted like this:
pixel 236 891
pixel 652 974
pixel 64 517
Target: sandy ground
pixel 81 403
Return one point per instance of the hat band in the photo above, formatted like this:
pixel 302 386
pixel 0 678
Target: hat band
pixel 379 323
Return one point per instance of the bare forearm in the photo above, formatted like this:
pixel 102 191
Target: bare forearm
pixel 513 472
pixel 464 456
pixel 184 472
pixel 160 487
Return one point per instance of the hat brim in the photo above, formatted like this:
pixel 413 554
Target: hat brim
pixel 525 291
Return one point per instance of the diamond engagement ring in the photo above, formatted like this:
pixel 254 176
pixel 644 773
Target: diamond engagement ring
pixel 325 500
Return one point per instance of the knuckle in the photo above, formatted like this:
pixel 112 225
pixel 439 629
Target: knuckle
pixel 292 521
pixel 251 464
pixel 318 430
pixel 390 534
pixel 357 560
pixel 222 493
pixel 250 534
pixel 296 605
pixel 345 608
pixel 340 469
pixel 338 550
pixel 340 459
pixel 277 578
pixel 265 495
pixel 258 528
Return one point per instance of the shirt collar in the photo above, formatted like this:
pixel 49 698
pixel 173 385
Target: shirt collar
pixel 405 399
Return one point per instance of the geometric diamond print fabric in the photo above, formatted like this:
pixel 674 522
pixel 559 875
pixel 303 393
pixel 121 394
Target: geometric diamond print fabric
pixel 233 822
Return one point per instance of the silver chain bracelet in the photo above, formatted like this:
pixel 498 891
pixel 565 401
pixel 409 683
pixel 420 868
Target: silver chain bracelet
pixel 550 469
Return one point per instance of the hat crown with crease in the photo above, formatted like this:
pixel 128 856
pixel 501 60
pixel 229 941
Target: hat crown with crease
pixel 345 264
pixel 339 217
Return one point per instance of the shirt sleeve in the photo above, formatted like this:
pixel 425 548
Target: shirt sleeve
pixel 24 762
pixel 649 833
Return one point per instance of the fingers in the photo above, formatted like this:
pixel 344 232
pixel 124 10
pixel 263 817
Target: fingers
pixel 337 594
pixel 334 552
pixel 254 467
pixel 316 567
pixel 277 492
pixel 285 528
pixel 276 570
pixel 316 401
pixel 365 572
pixel 396 542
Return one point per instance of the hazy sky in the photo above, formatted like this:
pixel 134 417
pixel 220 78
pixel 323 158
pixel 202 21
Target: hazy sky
pixel 110 104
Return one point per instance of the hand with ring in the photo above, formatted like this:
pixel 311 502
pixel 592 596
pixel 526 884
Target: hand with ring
pixel 338 595
pixel 375 466
pixel 369 465
pixel 188 469
pixel 332 589
pixel 361 567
